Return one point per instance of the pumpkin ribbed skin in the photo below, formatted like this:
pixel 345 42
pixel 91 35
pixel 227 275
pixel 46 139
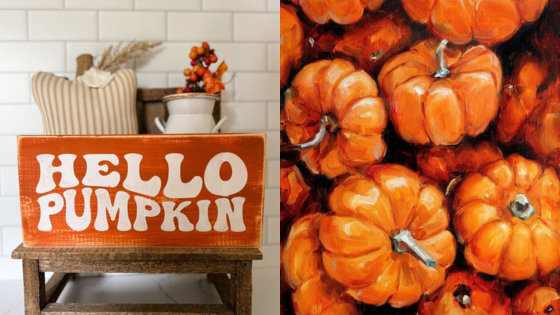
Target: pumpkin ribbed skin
pixel 498 239
pixel 486 21
pixel 443 163
pixel 374 36
pixel 336 89
pixel 536 299
pixel 293 192
pixel 340 11
pixel 357 237
pixel 520 97
pixel 542 129
pixel 486 297
pixel 425 109
pixel 292 37
pixel 301 257
pixel 320 296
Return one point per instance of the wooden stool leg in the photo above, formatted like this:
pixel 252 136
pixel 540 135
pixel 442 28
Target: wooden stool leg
pixel 242 287
pixel 211 277
pixel 33 287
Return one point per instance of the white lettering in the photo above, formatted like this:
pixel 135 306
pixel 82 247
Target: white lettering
pixel 93 176
pixel 235 216
pixel 214 182
pixel 175 188
pixel 170 213
pixel 142 212
pixel 133 182
pixel 74 222
pixel 66 168
pixel 47 210
pixel 104 205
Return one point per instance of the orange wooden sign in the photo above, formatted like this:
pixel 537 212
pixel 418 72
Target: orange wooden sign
pixel 146 190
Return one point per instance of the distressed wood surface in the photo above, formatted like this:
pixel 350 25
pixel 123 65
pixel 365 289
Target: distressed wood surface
pixel 127 266
pixel 223 285
pixel 242 287
pixel 136 253
pixel 33 287
pixel 127 309
pixel 197 151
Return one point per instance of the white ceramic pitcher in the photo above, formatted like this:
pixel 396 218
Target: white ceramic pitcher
pixel 190 113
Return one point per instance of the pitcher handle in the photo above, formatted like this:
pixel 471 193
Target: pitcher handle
pixel 160 124
pixel 219 124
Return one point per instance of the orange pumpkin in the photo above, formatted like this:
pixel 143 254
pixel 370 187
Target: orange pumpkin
pixel 340 11
pixel 467 294
pixel 293 192
pixel 443 163
pixel 301 256
pixel 520 96
pixel 333 115
pixel 373 40
pixel 320 296
pixel 387 238
pixel 542 130
pixel 291 43
pixel 486 21
pixel 441 100
pixel 508 217
pixel 536 299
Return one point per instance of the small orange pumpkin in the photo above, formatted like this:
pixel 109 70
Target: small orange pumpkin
pixel 468 294
pixel 537 299
pixel 443 163
pixel 340 11
pixel 301 256
pixel 291 43
pixel 486 21
pixel 508 217
pixel 542 130
pixel 387 238
pixel 520 96
pixel 321 296
pixel 441 100
pixel 293 192
pixel 332 113
pixel 373 40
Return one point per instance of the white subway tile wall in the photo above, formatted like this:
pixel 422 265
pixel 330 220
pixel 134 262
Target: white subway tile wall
pixel 48 35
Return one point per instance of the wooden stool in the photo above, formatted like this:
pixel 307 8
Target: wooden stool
pixel 40 298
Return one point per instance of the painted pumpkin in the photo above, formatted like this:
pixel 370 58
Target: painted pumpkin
pixel 291 43
pixel 373 40
pixel 508 217
pixel 486 21
pixel 520 96
pixel 387 238
pixel 332 113
pixel 442 164
pixel 301 256
pixel 441 100
pixel 542 130
pixel 293 192
pixel 340 11
pixel 321 296
pixel 467 294
pixel 536 299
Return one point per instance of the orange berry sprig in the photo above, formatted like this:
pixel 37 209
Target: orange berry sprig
pixel 199 78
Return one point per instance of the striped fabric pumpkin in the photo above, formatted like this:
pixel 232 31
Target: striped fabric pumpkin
pixel 72 108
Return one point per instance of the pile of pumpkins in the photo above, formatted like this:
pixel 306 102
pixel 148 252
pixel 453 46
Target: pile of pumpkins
pixel 420 151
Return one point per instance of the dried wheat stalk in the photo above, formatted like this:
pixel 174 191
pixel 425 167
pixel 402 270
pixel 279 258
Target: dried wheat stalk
pixel 113 57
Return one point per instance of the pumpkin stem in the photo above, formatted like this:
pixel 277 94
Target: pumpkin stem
pixel 403 242
pixel 521 207
pixel 443 71
pixel 463 295
pixel 316 140
pixel 311 42
pixel 374 56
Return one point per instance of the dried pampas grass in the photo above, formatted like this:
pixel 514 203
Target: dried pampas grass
pixel 116 55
